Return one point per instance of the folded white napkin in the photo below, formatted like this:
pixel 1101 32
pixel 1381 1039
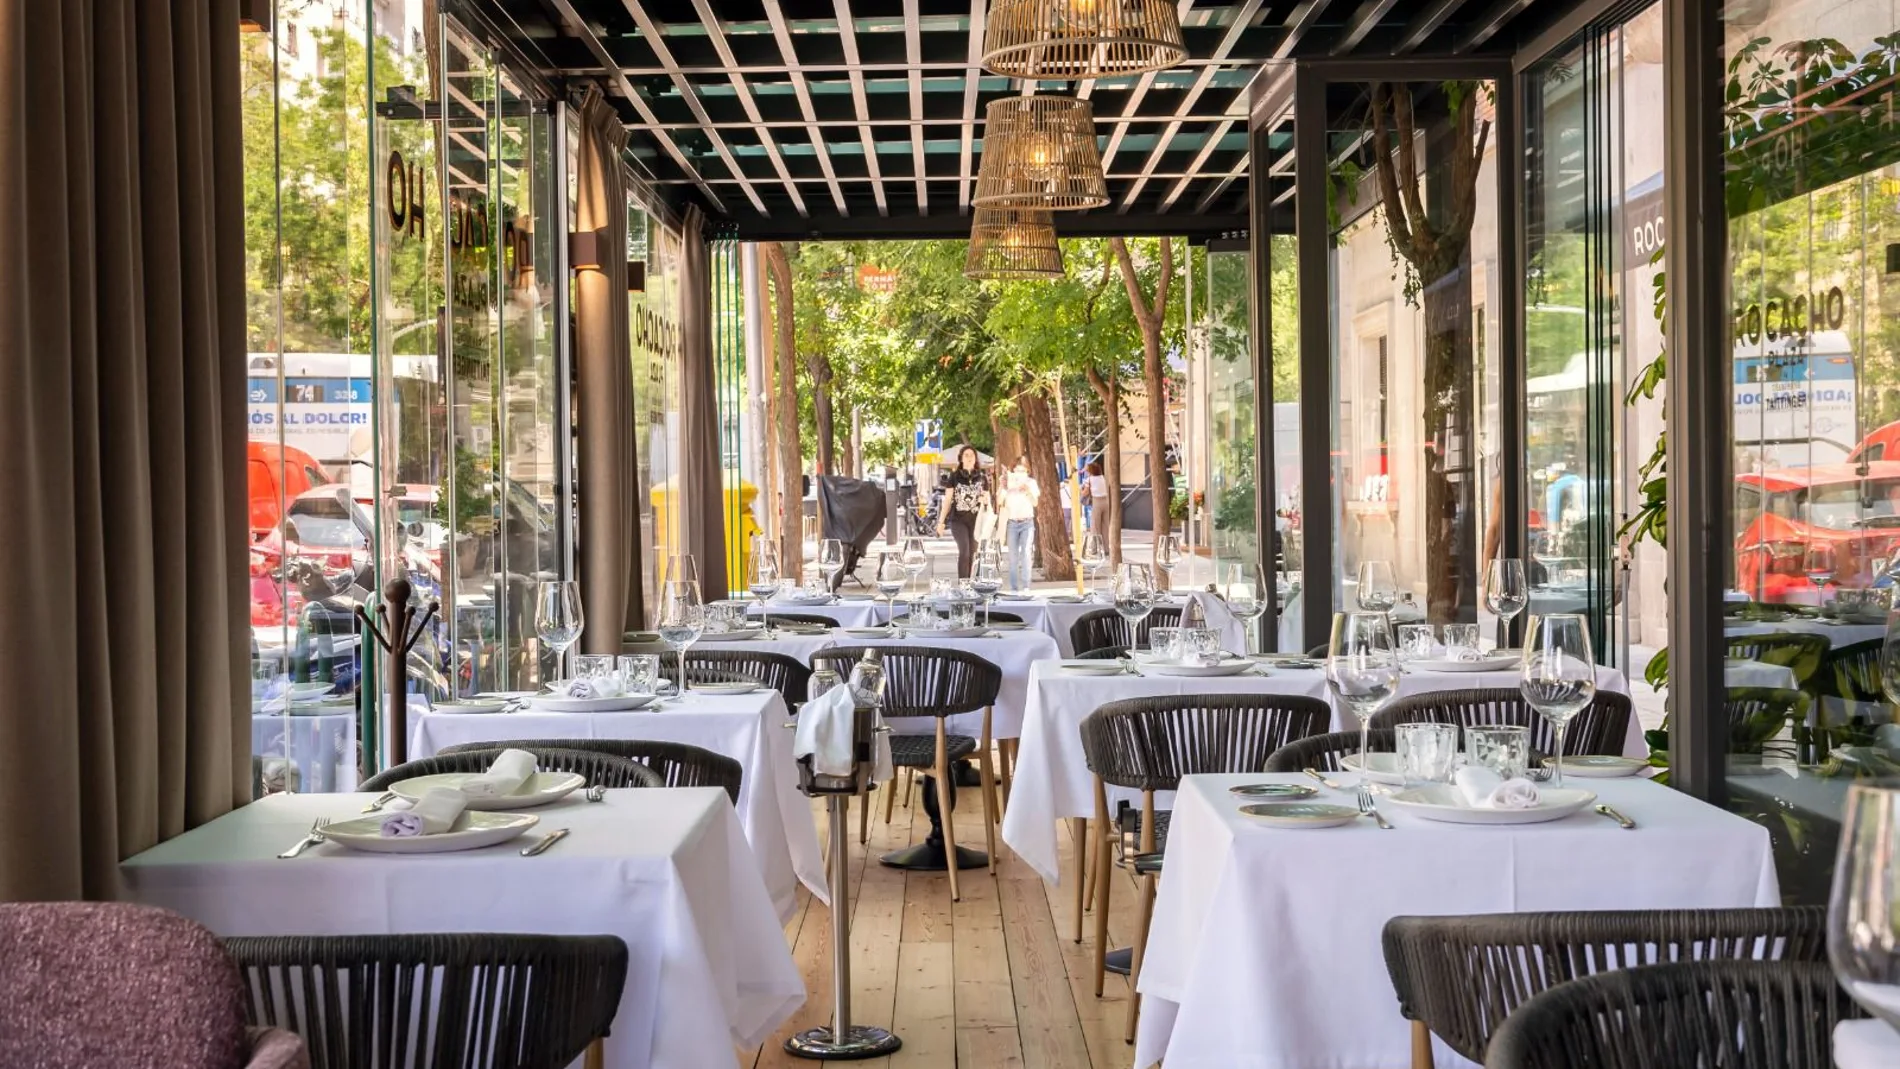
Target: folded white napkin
pixel 1214 611
pixel 825 726
pixel 585 689
pixel 505 775
pixel 434 813
pixel 1485 789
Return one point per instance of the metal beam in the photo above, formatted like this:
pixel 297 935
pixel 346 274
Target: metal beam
pixel 577 27
pixel 690 93
pixel 1249 11
pixel 1426 23
pixel 1317 409
pixel 800 124
pixel 950 225
pixel 914 55
pixel 1142 85
pixel 966 172
pixel 1303 18
pixel 1361 23
pixel 1489 24
pixel 1260 340
pixel 860 180
pixel 926 67
pixel 1214 191
pixel 848 38
pixel 782 33
pixel 717 35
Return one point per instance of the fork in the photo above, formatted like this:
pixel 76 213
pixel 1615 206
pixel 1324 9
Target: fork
pixel 310 840
pixel 1367 808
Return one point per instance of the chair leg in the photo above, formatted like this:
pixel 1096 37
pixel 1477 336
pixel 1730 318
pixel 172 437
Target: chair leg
pixel 987 772
pixel 910 780
pixel 864 815
pixel 1421 1046
pixel 1101 887
pixel 890 795
pixel 1141 944
pixel 596 1057
pixel 1079 831
pixel 948 814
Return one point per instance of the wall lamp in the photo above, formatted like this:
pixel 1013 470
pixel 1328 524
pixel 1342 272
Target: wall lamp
pixel 585 249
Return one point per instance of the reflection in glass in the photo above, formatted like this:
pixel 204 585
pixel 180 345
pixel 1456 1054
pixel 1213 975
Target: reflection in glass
pixel 1863 913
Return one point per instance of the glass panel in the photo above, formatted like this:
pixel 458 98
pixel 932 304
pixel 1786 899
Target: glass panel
pixel 1813 202
pixel 655 357
pixel 1284 484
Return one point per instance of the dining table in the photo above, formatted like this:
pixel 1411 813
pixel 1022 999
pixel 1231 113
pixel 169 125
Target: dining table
pixel 1868 1044
pixel 1052 779
pixel 666 870
pixel 847 610
pixel 1265 948
pixel 749 728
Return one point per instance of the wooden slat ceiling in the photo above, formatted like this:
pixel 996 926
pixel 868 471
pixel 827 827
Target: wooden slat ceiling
pixel 798 118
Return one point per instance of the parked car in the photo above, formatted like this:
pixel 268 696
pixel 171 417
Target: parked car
pixel 1842 520
pixel 321 548
pixel 275 474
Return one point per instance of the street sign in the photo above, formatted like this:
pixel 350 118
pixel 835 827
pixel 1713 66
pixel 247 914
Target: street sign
pixel 928 440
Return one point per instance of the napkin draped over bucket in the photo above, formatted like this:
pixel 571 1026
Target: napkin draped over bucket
pixel 434 813
pixel 825 729
pixel 1482 788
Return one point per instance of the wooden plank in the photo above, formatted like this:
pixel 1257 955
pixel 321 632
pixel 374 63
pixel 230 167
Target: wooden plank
pixel 1101 1018
pixel 1045 1006
pixel 989 1048
pixel 982 961
pixel 926 1007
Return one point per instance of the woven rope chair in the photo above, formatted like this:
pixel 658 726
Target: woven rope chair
pixel 928 681
pixel 1322 753
pixel 1105 627
pixel 1147 745
pixel 1847 685
pixel 476 1000
pixel 1460 977
pixel 678 764
pixel 601 770
pixel 1105 653
pixel 785 674
pixel 999 617
pixel 1599 729
pixel 809 618
pixel 1797 650
pixel 1733 1014
pixel 699 670
pixel 1758 714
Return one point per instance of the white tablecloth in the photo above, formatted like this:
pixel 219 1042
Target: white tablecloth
pixel 1870 1044
pixel 852 612
pixel 749 728
pixel 665 870
pixel 1015 652
pixel 1838 634
pixel 1265 948
pixel 1052 778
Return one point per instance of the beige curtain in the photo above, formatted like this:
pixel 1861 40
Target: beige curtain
pixel 702 501
pixel 603 360
pixel 122 424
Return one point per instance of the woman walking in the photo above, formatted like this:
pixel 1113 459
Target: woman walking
pixel 966 494
pixel 1020 494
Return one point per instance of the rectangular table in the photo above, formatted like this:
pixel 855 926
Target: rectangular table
pixel 1052 779
pixel 749 728
pixel 1265 948
pixel 666 870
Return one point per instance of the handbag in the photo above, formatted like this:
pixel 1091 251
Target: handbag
pixel 985 522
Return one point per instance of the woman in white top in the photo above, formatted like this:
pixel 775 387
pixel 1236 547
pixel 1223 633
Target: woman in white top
pixel 1094 492
pixel 1020 494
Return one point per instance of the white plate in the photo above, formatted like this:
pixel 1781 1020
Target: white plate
pixel 470 705
pixel 857 597
pixel 539 789
pixel 508 695
pixel 548 703
pixel 1385 767
pixel 1225 668
pixel 1093 668
pixel 945 632
pixel 1443 802
pixel 1008 596
pixel 472 831
pixel 309 692
pixel 1482 664
pixel 1289 660
pixel 1299 814
pixel 801 629
pixel 1007 625
pixel 1598 766
pixel 1067 599
pixel 742 635
pixel 745 687
pixel 810 599
pixel 867 632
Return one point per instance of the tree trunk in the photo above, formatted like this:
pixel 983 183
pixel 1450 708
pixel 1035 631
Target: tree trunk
pixel 1108 512
pixel 1450 504
pixel 1007 441
pixel 769 458
pixel 1039 443
pixel 1152 317
pixel 818 366
pixel 791 502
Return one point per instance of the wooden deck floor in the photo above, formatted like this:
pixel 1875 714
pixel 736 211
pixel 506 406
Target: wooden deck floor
pixel 994 981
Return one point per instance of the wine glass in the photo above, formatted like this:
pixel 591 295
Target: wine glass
pixel 1094 553
pixel 680 568
pixel 764 576
pixel 1246 595
pixel 1558 676
pixel 1818 564
pixel 892 574
pixel 1168 555
pixel 831 561
pixel 1133 591
pixel 1378 591
pixel 1863 912
pixel 682 620
pixel 916 558
pixel 986 579
pixel 557 616
pixel 1362 668
pixel 1505 592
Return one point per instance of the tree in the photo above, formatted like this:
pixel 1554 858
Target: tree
pixel 1434 239
pixel 790 468
pixel 1151 315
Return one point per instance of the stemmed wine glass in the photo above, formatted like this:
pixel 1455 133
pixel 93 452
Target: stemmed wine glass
pixel 1863 911
pixel 892 574
pixel 1378 591
pixel 1558 676
pixel 557 616
pixel 986 579
pixel 831 562
pixel 682 620
pixel 1246 595
pixel 1819 567
pixel 1134 594
pixel 764 577
pixel 1362 668
pixel 1168 556
pixel 1094 554
pixel 680 568
pixel 1505 592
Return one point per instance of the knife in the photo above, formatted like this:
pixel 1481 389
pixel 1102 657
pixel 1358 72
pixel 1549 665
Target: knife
pixel 380 802
pixel 1628 824
pixel 1329 783
pixel 550 839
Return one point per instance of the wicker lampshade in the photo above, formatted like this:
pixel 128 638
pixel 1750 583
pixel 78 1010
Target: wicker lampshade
pixel 1040 152
pixel 1013 243
pixel 1078 39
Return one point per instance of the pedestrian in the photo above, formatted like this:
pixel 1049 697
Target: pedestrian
pixel 1094 493
pixel 966 495
pixel 1020 494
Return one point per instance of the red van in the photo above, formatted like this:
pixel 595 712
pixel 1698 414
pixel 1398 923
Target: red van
pixel 276 474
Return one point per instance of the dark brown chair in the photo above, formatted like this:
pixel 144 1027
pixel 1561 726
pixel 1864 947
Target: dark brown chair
pixel 788 675
pixel 1799 651
pixel 700 670
pixel 811 619
pixel 1106 653
pixel 1105 627
pixel 1758 714
pixel 1323 753
pixel 677 764
pixel 476 1001
pixel 601 770
pixel 1849 695
pixel 1147 745
pixel 1600 729
pixel 928 681
pixel 1459 977
pixel 1733 1014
